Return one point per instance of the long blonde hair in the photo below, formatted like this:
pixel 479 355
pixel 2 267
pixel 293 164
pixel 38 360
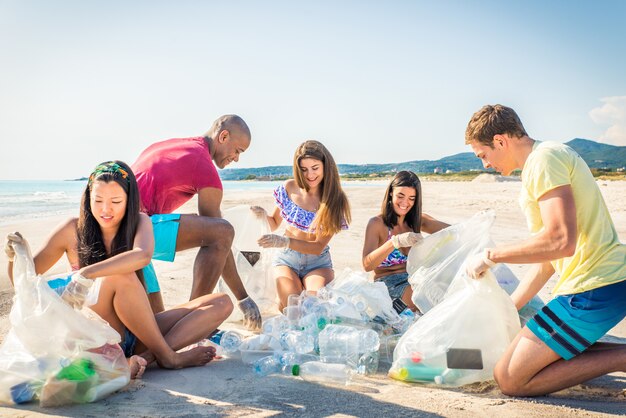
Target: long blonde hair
pixel 334 207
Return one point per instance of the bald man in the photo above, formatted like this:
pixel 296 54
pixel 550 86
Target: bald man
pixel 170 173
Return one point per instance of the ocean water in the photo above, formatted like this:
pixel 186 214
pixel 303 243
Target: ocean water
pixel 20 199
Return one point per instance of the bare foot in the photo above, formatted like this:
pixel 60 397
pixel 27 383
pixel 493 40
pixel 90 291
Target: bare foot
pixel 137 366
pixel 198 356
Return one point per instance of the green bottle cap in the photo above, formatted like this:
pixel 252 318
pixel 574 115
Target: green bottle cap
pixel 295 370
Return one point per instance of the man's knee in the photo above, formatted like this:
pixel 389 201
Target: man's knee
pixel 218 232
pixel 507 382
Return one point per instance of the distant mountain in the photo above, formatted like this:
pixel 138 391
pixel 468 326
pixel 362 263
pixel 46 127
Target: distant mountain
pixel 596 155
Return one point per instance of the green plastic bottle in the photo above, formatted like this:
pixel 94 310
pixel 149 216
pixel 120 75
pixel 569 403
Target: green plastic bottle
pixel 78 370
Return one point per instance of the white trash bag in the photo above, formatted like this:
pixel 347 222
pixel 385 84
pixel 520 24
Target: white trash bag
pixel 436 260
pixel 358 289
pixel 54 353
pixel 254 264
pixel 460 340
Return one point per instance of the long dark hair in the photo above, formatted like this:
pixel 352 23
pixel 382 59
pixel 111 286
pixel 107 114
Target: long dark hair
pixel 91 247
pixel 334 207
pixel 414 218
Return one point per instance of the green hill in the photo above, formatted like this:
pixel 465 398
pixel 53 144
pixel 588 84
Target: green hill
pixel 596 155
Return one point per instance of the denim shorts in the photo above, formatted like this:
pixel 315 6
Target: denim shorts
pixel 165 231
pixel 301 263
pixel 396 283
pixel 569 324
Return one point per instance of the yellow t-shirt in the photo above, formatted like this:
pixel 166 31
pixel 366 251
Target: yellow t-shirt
pixel 600 258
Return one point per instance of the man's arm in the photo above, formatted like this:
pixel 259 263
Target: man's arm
pixel 532 283
pixel 556 240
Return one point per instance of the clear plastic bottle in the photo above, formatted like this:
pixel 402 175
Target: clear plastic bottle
pixel 297 341
pixel 275 325
pixel 278 361
pixel 368 363
pixel 316 371
pixel 231 341
pixel 339 343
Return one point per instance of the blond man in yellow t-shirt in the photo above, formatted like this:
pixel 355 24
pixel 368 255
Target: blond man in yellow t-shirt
pixel 573 236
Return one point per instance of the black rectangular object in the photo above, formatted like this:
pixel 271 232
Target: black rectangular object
pixel 399 305
pixel 464 358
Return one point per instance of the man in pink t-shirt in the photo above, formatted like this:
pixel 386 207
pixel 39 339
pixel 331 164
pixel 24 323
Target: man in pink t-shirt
pixel 170 173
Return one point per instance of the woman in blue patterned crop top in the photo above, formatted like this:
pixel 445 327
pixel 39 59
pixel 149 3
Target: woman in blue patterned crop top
pixel 314 207
pixel 397 227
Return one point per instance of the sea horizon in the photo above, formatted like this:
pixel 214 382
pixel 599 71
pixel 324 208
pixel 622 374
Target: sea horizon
pixel 20 199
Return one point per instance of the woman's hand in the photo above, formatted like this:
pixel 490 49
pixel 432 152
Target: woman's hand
pixel 12 239
pixel 273 241
pixel 259 212
pixel 76 291
pixel 407 239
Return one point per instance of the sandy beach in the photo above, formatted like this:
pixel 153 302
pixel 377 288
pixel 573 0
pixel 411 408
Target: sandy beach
pixel 229 388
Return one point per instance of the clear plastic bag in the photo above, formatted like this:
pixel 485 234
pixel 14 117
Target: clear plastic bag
pixel 53 352
pixel 460 340
pixel 436 260
pixel 254 264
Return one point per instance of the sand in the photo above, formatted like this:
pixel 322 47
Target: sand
pixel 229 388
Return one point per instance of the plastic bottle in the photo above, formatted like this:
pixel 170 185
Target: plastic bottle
pixel 278 361
pixel 308 304
pixel 78 370
pixel 339 343
pixel 448 377
pixel 231 341
pixel 418 369
pixel 275 325
pixel 297 341
pixel 368 363
pixel 316 371
pixel 22 392
pixel 267 365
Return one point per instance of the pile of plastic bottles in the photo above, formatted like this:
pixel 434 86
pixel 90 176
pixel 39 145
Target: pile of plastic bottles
pixel 341 331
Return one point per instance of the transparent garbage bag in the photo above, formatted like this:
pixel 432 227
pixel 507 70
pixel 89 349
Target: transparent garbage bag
pixel 53 352
pixel 460 340
pixel 436 260
pixel 357 288
pixel 254 264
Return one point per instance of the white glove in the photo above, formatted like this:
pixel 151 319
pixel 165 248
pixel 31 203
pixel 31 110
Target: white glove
pixel 76 291
pixel 273 241
pixel 406 239
pixel 12 239
pixel 477 264
pixel 251 315
pixel 258 211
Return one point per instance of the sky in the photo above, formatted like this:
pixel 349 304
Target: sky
pixel 83 82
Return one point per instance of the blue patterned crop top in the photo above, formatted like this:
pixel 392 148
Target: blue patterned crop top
pixel 396 257
pixel 293 214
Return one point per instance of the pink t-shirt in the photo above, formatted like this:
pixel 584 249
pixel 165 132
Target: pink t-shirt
pixel 171 172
